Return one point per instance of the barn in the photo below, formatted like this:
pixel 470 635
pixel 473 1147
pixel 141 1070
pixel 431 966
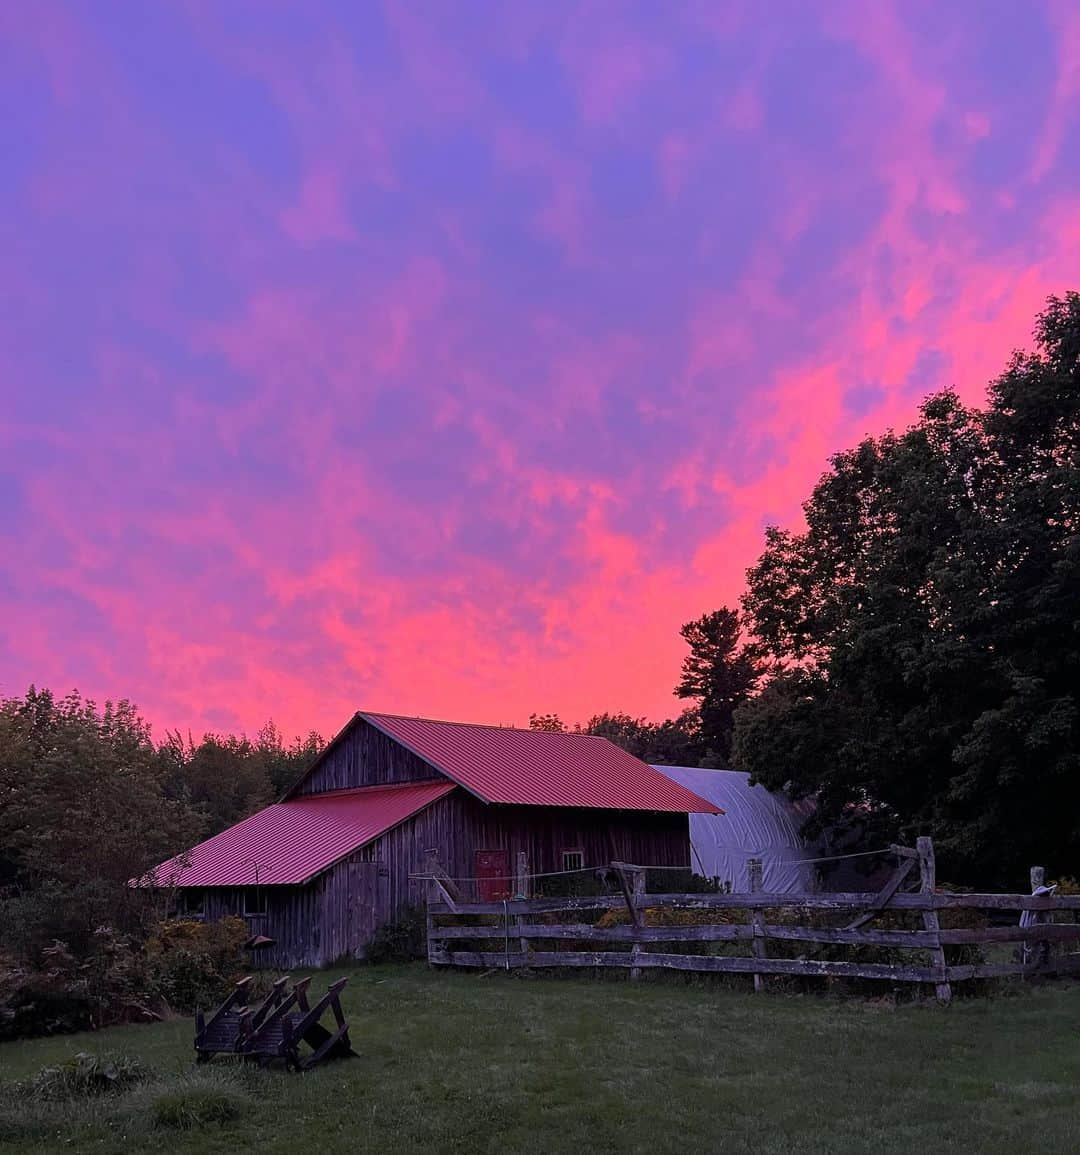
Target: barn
pixel 318 872
pixel 755 823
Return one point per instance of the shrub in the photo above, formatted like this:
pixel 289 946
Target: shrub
pixel 579 885
pixel 194 963
pixel 183 965
pixel 400 941
pixel 46 1002
pixel 679 882
pixel 84 1075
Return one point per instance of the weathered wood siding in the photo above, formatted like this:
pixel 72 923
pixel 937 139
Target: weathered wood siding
pixel 332 917
pixel 351 910
pixel 293 920
pixel 459 825
pixel 365 756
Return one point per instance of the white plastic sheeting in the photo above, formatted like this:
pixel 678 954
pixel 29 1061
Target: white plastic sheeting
pixel 755 824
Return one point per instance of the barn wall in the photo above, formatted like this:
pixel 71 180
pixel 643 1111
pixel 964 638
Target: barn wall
pixel 293 919
pixel 332 917
pixel 365 756
pixel 352 908
pixel 459 825
pixel 335 915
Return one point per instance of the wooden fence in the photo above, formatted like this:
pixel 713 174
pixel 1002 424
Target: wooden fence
pixel 515 933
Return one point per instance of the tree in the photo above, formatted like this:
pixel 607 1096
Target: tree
pixel 720 673
pixel 674 742
pixel 922 630
pixel 550 722
pixel 226 777
pixel 221 776
pixel 84 809
pixel 88 802
pixel 282 765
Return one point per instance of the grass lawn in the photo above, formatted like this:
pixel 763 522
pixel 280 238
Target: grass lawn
pixel 464 1063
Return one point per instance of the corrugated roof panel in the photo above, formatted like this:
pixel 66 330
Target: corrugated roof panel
pixel 540 767
pixel 293 841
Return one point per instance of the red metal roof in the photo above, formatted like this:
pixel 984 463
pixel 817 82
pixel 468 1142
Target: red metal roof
pixel 293 841
pixel 540 767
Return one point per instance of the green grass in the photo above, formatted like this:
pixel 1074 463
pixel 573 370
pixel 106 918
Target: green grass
pixel 465 1063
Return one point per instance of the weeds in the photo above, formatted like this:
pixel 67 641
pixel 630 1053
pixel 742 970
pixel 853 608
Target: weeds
pixel 85 1075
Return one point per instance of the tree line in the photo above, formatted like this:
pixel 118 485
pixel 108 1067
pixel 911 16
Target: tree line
pixel 88 800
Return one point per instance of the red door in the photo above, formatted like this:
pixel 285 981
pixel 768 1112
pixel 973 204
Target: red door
pixel 493 875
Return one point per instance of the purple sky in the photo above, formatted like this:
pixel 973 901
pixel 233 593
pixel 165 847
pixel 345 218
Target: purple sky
pixel 444 358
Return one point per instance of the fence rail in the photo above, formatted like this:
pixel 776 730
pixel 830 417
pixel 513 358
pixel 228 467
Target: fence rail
pixel 516 940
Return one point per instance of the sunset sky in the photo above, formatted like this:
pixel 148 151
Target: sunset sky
pixel 444 358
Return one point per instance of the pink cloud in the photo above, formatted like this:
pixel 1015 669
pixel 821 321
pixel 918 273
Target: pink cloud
pixel 449 367
pixel 320 213
pixel 1065 20
pixel 609 62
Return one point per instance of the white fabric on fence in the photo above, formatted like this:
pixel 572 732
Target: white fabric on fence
pixel 1028 917
pixel 755 824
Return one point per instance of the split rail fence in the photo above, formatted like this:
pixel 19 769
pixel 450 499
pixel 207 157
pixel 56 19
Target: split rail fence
pixel 517 932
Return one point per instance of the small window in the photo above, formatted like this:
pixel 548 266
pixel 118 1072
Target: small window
pixel 573 860
pixel 254 900
pixel 192 902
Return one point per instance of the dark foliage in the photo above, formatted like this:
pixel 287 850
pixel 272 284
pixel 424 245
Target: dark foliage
pixel 923 630
pixel 88 803
pixel 400 941
pixel 721 674
pixel 180 966
pixel 673 742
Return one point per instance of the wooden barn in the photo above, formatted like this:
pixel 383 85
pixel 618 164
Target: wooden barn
pixel 321 870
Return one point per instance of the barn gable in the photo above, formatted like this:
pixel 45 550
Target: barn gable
pixel 362 755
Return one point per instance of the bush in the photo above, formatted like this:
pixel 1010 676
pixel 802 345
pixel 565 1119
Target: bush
pixel 193 964
pixel 679 882
pixel 400 941
pixel 36 1008
pixel 183 965
pixel 85 1075
pixel 51 1001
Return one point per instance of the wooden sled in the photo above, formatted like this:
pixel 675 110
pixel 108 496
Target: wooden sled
pixel 277 1028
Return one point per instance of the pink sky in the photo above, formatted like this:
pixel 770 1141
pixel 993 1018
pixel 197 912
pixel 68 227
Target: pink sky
pixel 444 359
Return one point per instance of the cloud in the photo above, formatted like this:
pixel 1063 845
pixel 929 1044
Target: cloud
pixel 448 366
pixel 1063 113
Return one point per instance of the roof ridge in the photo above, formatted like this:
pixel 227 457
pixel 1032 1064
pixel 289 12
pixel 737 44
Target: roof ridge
pixel 476 725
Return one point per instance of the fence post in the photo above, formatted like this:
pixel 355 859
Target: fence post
pixel 522 890
pixel 1038 952
pixel 431 866
pixel 632 883
pixel 757 944
pixel 927 880
pixel 637 889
